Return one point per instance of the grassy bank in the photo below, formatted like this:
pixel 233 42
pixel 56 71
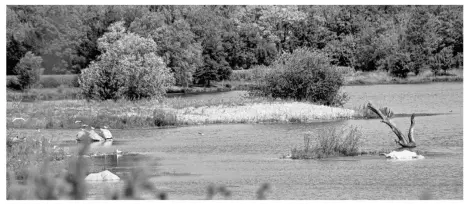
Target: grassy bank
pixel 64 87
pixel 170 112
pixel 379 77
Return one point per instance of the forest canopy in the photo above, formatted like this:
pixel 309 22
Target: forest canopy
pixel 205 43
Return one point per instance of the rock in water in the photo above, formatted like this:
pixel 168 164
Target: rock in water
pixel 403 155
pixel 94 136
pixel 102 176
pixel 91 134
pixel 105 133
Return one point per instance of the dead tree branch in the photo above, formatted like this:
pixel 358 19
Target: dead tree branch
pixel 401 139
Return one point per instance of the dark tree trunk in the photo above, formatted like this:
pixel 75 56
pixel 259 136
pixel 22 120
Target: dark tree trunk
pixel 401 139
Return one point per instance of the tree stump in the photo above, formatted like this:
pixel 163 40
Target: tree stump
pixel 401 139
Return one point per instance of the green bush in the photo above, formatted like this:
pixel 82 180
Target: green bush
pixel 127 68
pixel 398 64
pixel 28 70
pixel 14 84
pixel 302 75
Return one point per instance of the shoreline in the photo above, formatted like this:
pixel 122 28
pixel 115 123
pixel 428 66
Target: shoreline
pixel 53 94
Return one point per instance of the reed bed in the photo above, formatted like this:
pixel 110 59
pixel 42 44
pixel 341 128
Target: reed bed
pixel 262 112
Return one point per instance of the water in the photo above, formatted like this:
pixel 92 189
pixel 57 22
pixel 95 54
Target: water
pixel 243 156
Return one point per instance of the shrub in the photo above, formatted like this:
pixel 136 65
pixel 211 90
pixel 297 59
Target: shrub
pixel 398 64
pixel 29 70
pixel 14 84
pixel 128 68
pixel 164 118
pixel 302 75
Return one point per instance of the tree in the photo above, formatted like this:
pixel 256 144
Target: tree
pixel 176 44
pixel 215 66
pixel 127 68
pixel 29 70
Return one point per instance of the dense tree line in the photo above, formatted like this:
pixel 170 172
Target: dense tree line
pixel 201 44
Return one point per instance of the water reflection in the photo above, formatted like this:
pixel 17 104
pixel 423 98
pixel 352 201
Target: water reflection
pixel 106 143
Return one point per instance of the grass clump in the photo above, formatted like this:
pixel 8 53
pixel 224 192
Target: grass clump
pixel 332 141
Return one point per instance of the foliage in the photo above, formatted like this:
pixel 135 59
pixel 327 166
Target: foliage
pixel 302 75
pixel 398 64
pixel 14 84
pixel 29 70
pixel 128 68
pixel 49 82
pixel 359 36
pixel 215 66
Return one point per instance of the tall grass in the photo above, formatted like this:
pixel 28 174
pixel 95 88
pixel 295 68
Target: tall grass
pixel 282 112
pixel 46 94
pixel 364 112
pixel 171 112
pixel 29 152
pixel 382 77
pixel 331 141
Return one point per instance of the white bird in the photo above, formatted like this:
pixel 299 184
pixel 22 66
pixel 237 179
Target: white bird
pixel 15 119
pixel 118 152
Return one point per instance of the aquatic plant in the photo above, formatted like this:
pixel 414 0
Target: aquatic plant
pixel 331 141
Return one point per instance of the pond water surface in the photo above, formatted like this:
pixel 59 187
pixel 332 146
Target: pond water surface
pixel 243 156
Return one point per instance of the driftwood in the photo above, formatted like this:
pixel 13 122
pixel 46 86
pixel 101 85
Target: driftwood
pixel 401 139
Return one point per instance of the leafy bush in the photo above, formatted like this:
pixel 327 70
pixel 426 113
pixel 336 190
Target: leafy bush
pixel 302 75
pixel 14 84
pixel 164 117
pixel 127 68
pixel 398 64
pixel 29 70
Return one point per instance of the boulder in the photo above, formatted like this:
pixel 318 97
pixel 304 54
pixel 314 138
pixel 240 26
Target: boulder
pixel 105 133
pixel 403 155
pixel 90 134
pixel 102 176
